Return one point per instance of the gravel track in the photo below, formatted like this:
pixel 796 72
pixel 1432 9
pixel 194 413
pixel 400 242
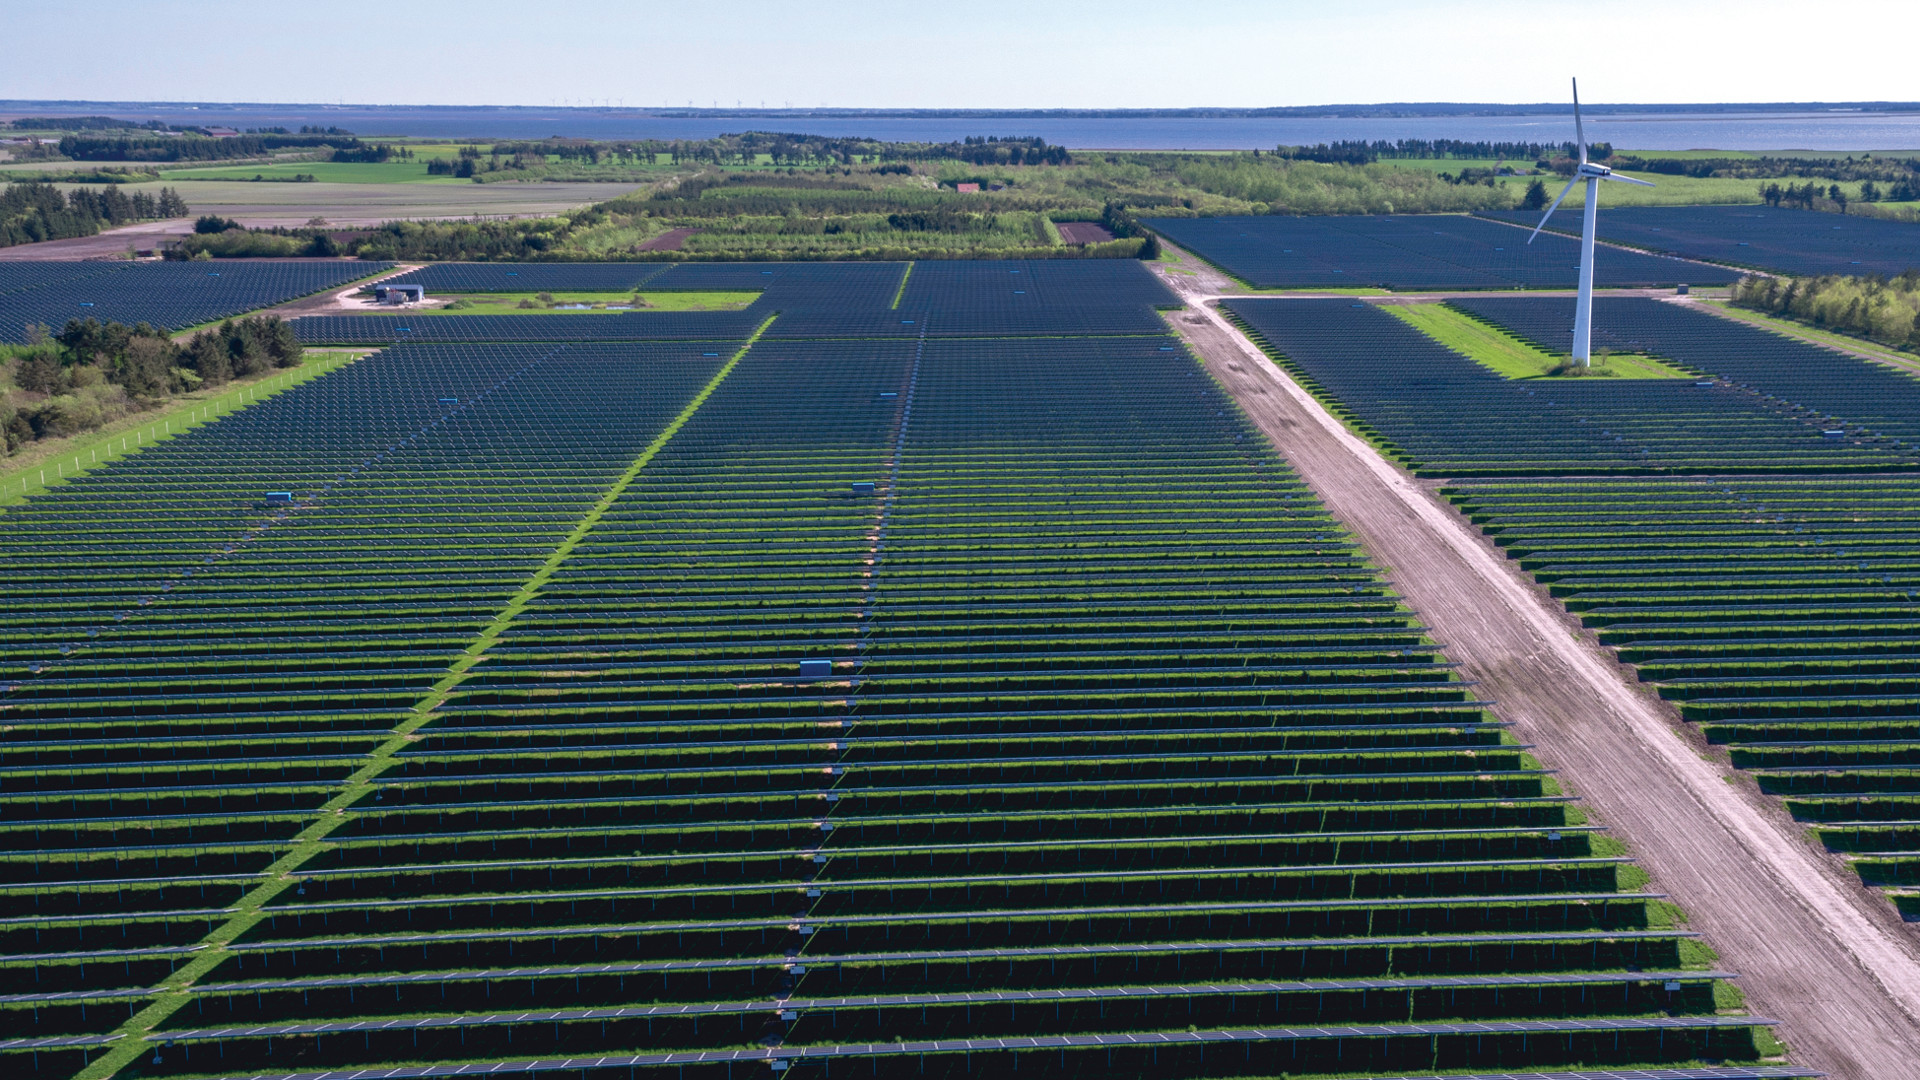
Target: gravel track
pixel 1814 947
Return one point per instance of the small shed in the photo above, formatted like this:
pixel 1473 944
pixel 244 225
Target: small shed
pixel 399 294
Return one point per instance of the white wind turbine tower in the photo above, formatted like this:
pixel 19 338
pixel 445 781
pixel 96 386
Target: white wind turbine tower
pixel 1592 174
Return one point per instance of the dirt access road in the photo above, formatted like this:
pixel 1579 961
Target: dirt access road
pixel 111 244
pixel 1815 949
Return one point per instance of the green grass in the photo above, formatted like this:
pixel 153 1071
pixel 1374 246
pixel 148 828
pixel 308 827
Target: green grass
pixel 1508 355
pixel 509 303
pixel 332 172
pixel 1684 191
pixel 1707 155
pixel 1366 291
pixel 50 462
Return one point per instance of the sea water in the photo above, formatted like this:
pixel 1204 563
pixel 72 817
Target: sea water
pixel 1826 130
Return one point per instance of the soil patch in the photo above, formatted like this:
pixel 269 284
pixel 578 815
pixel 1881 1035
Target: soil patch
pixel 671 240
pixel 1083 232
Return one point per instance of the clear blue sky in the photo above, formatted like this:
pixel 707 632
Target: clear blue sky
pixel 986 53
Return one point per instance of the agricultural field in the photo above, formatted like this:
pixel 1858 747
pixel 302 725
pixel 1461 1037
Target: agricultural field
pixel 932 613
pixel 360 203
pixel 331 172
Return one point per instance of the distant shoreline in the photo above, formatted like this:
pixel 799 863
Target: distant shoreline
pixel 34 107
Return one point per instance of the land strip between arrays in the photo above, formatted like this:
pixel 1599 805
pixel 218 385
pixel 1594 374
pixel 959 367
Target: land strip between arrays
pixel 1815 948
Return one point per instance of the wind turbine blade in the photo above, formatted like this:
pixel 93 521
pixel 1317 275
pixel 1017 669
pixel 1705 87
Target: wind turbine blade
pixel 1627 180
pixel 1554 206
pixel 1579 133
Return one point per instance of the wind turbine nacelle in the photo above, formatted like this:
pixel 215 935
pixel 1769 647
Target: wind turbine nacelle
pixel 1594 172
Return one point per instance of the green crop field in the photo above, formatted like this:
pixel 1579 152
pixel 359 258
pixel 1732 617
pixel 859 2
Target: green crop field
pixel 331 172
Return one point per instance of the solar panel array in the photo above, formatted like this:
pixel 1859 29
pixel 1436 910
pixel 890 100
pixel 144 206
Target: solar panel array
pixel 1442 414
pixel 168 295
pixel 1426 251
pixel 1051 298
pixel 920 705
pixel 1824 385
pixel 1782 616
pixel 1787 241
pixel 625 326
pixel 842 279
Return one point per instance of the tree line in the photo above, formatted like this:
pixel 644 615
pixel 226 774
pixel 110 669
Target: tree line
pixel 78 123
pixel 89 373
pixel 30 213
pixel 188 147
pixel 783 149
pixel 1364 152
pixel 1811 195
pixel 223 238
pixel 1886 310
pixel 1867 167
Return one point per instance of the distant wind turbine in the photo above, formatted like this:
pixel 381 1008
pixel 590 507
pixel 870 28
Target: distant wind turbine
pixel 1592 174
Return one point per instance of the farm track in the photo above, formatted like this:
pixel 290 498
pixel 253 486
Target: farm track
pixel 1815 948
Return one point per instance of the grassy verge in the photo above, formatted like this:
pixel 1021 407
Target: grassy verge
pixel 1510 357
pixel 1792 328
pixel 1356 291
pixel 49 462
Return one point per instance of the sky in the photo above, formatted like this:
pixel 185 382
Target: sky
pixel 973 53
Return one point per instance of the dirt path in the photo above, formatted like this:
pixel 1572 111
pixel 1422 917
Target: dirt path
pixel 347 301
pixel 1815 949
pixel 111 244
pixel 671 240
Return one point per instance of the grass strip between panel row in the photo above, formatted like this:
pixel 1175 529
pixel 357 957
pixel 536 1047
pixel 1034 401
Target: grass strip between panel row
pixel 901 292
pixel 249 910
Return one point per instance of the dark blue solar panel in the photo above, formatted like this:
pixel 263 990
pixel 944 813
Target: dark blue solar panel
pixel 1786 241
pixel 1440 251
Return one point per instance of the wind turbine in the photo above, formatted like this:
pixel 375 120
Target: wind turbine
pixel 1592 174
